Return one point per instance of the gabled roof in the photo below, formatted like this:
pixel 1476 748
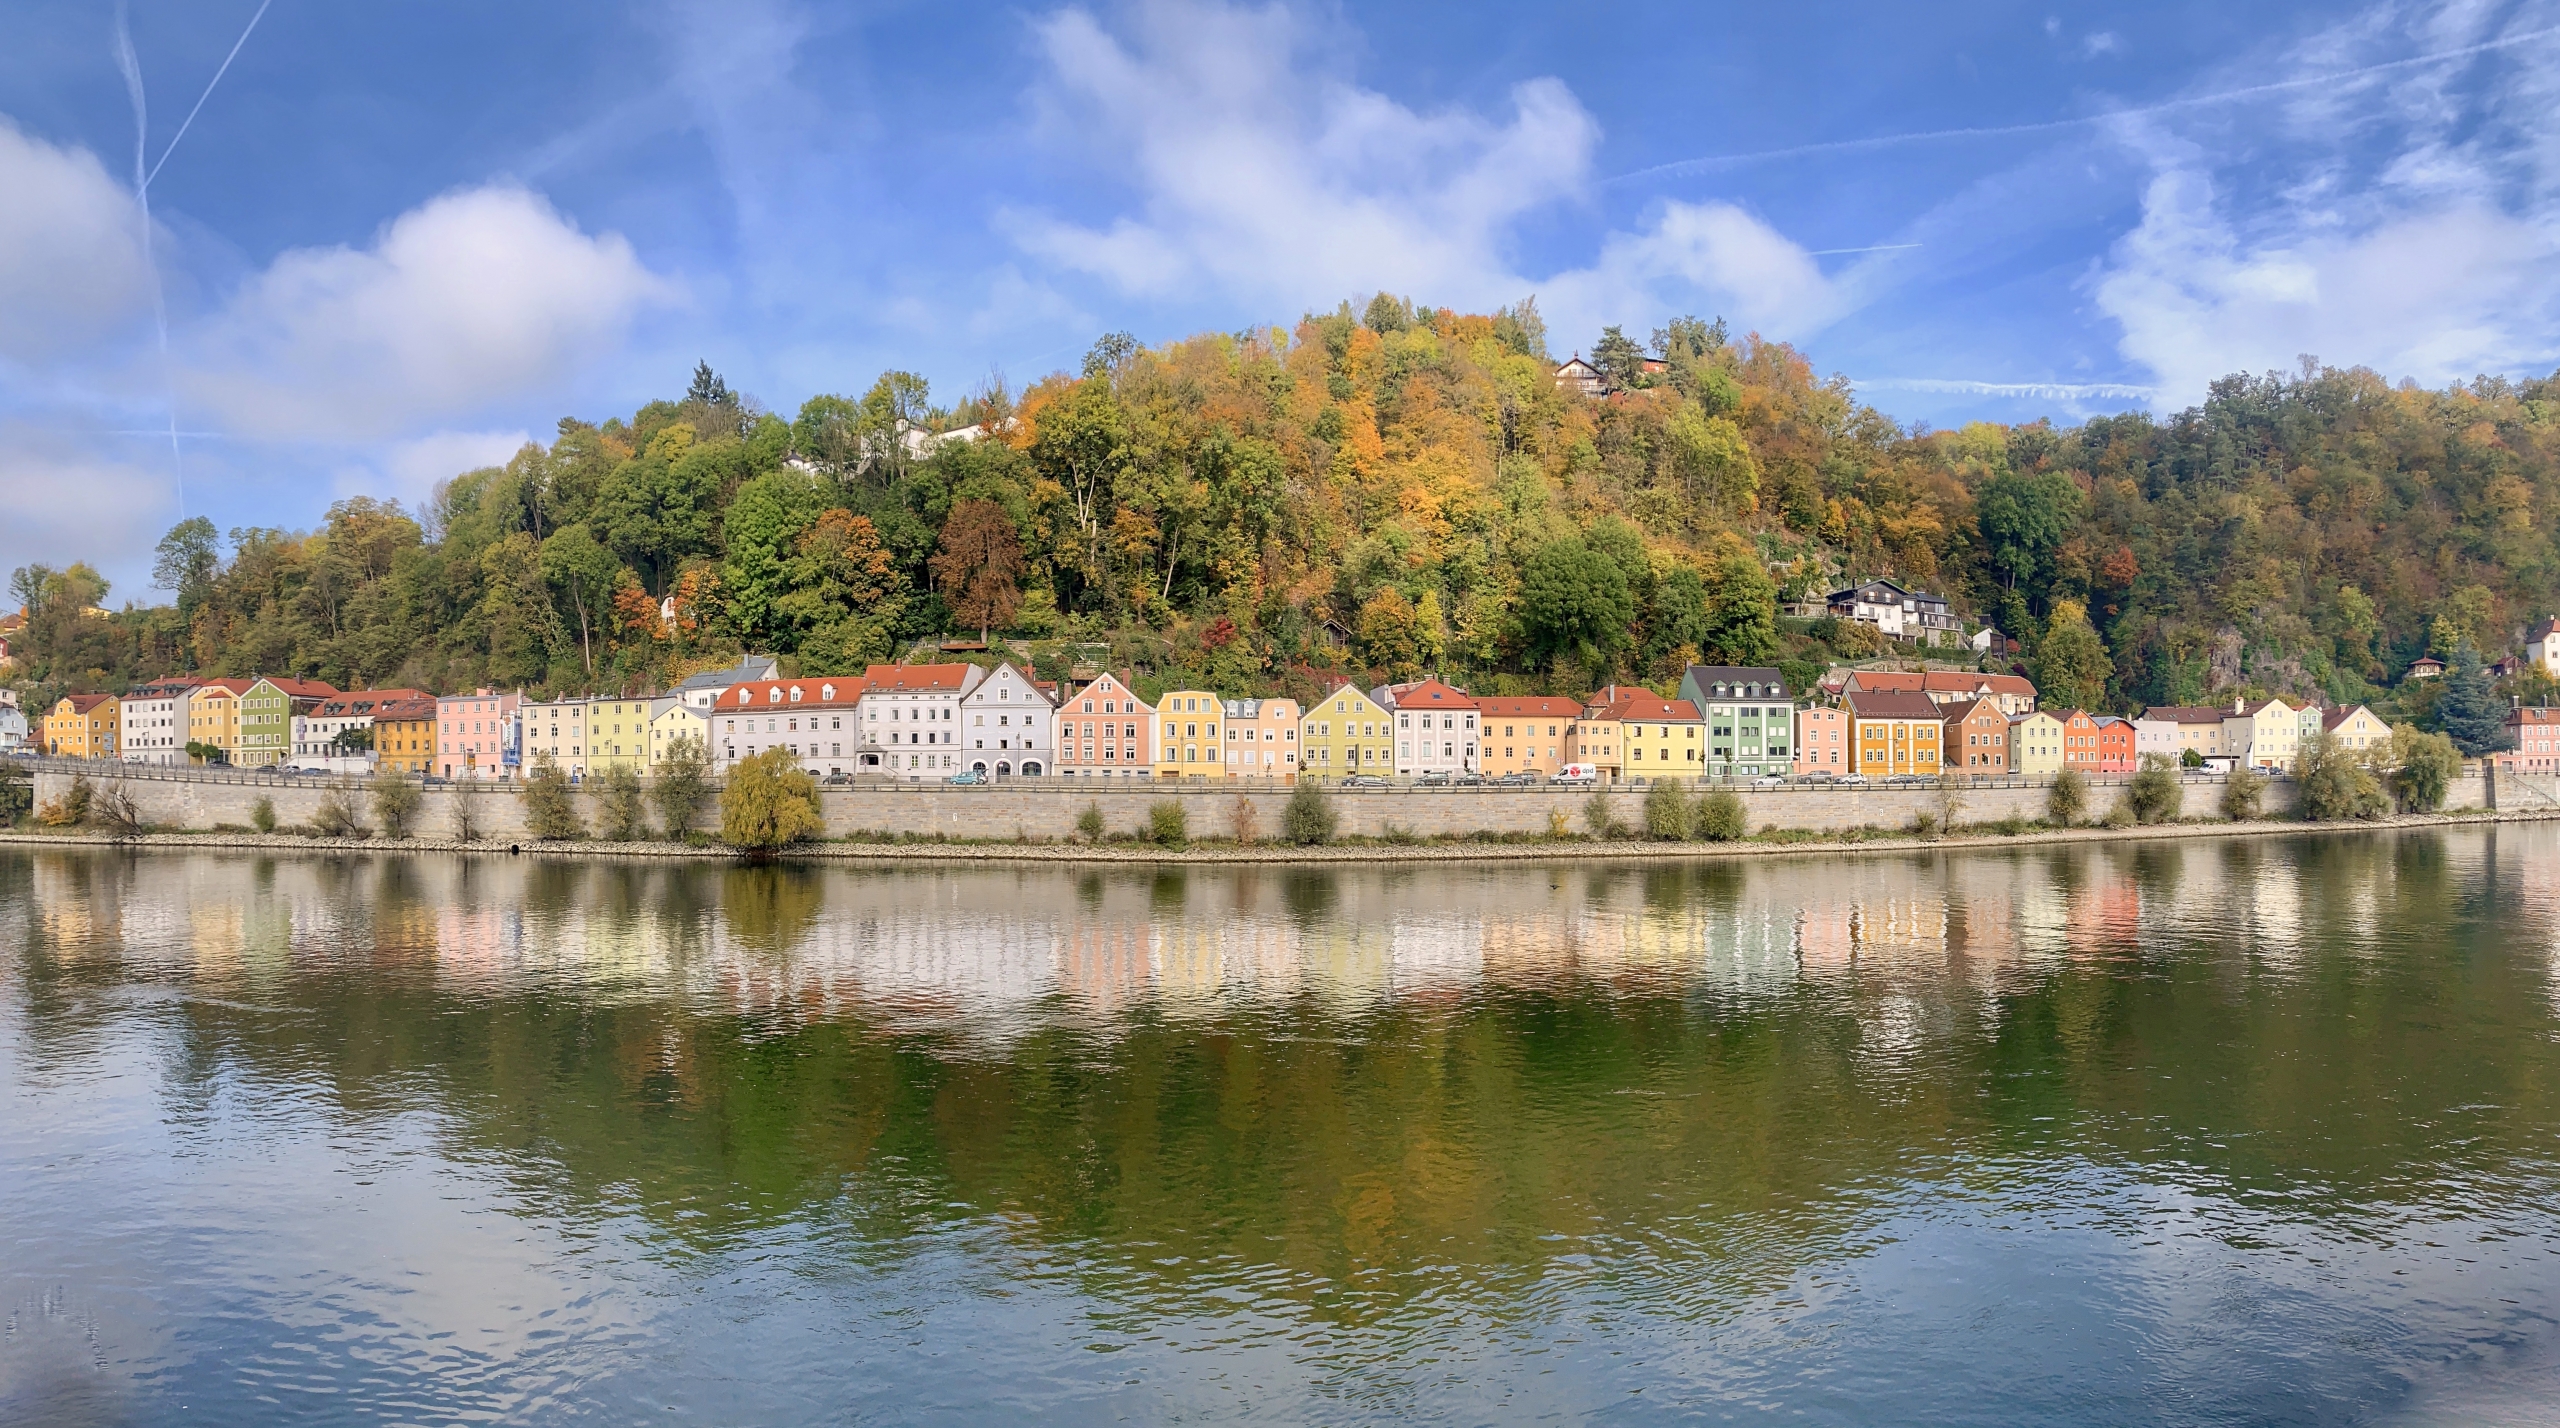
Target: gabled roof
pixel 235 687
pixel 1421 694
pixel 365 701
pixel 1893 704
pixel 2543 631
pixel 406 711
pixel 1116 690
pixel 1705 678
pixel 83 703
pixel 1630 702
pixel 1047 694
pixel 840 691
pixel 2015 719
pixel 1967 709
pixel 1941 681
pixel 1356 690
pixel 298 688
pixel 919 678
pixel 1540 706
pixel 162 689
pixel 2109 721
pixel 2335 717
pixel 2252 711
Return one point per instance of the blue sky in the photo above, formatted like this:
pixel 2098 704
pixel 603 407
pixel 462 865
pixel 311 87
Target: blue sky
pixel 396 241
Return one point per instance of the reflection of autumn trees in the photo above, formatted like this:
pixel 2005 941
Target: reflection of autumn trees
pixel 2301 1022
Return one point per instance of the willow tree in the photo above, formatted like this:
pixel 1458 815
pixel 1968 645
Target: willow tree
pixel 770 802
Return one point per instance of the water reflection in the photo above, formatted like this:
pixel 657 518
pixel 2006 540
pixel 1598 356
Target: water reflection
pixel 1462 1141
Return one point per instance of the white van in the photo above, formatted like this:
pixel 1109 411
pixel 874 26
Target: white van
pixel 1578 773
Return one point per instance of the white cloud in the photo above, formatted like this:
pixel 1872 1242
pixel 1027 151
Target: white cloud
pixel 71 264
pixel 1260 174
pixel 474 297
pixel 411 470
pixel 67 501
pixel 2405 218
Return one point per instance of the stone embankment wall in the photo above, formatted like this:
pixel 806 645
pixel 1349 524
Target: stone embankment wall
pixel 1048 808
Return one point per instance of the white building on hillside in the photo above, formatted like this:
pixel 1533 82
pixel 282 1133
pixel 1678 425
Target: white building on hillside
pixel 911 718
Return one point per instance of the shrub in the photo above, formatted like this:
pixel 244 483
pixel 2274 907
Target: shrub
pixel 2155 795
pixel 1668 813
pixel 2122 815
pixel 467 825
pixel 395 805
pixel 2243 794
pixel 115 811
pixel 1597 817
pixel 1309 819
pixel 2333 787
pixel 2429 764
pixel 2190 759
pixel 1396 834
pixel 1720 817
pixel 550 806
pixel 771 802
pixel 1557 824
pixel 335 817
pixel 2068 800
pixel 17 794
pixel 680 784
pixel 72 808
pixel 1089 823
pixel 1247 821
pixel 262 814
pixel 1168 824
pixel 622 811
pixel 1925 823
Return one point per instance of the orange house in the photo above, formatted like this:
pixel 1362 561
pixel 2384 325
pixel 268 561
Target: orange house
pixel 404 735
pixel 2097 743
pixel 82 726
pixel 1106 731
pixel 1977 739
pixel 1526 736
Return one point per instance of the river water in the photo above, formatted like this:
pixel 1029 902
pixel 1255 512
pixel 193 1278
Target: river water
pixel 2211 1131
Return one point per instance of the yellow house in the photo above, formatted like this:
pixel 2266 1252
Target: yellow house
pixel 1658 737
pixel 2266 735
pixel 675 720
pixel 1191 742
pixel 2358 730
pixel 2035 745
pixel 82 726
pixel 1347 733
pixel 213 714
pixel 1895 732
pixel 585 736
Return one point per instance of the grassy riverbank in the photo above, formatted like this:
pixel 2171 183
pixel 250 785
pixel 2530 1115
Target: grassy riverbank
pixel 916 849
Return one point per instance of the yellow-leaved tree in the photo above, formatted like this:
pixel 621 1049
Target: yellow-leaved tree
pixel 770 803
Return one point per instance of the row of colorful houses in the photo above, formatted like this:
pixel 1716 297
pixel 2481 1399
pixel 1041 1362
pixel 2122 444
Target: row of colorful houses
pixel 934 721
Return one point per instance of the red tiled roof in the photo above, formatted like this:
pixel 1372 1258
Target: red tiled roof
pixel 1545 706
pixel 1429 691
pixel 302 688
pixel 914 678
pixel 837 691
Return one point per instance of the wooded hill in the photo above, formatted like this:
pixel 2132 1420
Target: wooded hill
pixel 1383 492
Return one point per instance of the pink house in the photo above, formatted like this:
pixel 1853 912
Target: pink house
pixel 1822 740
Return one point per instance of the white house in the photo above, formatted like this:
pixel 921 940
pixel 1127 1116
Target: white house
pixel 13 720
pixel 1903 614
pixel 911 718
pixel 1008 725
pixel 2542 647
pixel 154 723
pixel 817 719
pixel 1435 727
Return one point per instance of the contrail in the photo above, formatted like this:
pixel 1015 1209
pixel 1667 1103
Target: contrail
pixel 2046 126
pixel 208 89
pixel 2048 391
pixel 132 67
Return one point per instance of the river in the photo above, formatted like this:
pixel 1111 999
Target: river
pixel 2206 1131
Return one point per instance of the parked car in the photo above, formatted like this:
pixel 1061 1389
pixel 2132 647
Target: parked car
pixel 966 777
pixel 1468 780
pixel 1518 780
pixel 1851 778
pixel 1363 781
pixel 836 778
pixel 1912 778
pixel 1436 778
pixel 1770 781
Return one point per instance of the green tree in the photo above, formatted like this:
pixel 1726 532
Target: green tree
pixel 2071 664
pixel 2155 795
pixel 550 804
pixel 2024 519
pixel 1389 635
pixel 2333 786
pixel 1309 819
pixel 17 793
pixel 1619 361
pixel 622 807
pixel 2468 710
pixel 1168 824
pixel 1721 817
pixel 1669 813
pixel 1574 603
pixel 583 573
pixel 770 802
pixel 395 805
pixel 2426 766
pixel 1742 611
pixel 2244 793
pixel 186 561
pixel 2068 801
pixel 680 784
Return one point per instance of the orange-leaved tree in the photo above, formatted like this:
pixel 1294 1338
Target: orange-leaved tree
pixel 980 557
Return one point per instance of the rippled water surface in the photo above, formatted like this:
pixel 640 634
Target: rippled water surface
pixel 2198 1132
